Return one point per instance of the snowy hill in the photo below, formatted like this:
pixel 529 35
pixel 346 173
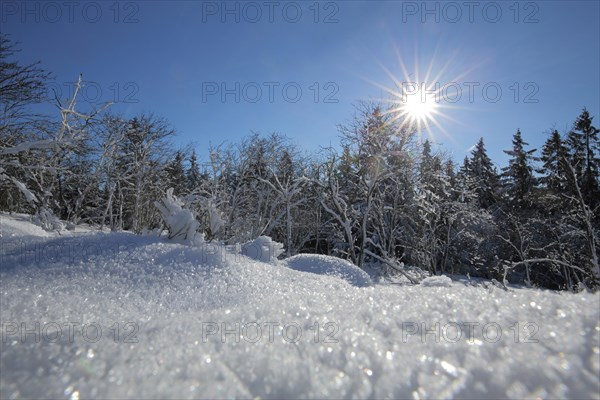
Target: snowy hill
pixel 330 266
pixel 115 315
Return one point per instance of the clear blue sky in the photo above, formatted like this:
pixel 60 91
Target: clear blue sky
pixel 171 56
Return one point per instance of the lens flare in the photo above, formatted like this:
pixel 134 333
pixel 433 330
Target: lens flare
pixel 417 100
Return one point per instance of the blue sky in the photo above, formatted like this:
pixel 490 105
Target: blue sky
pixel 174 58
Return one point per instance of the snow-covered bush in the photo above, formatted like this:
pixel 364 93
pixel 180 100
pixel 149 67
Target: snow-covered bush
pixel 47 220
pixel 181 222
pixel 437 281
pixel 29 196
pixel 262 249
pixel 330 266
pixel 213 215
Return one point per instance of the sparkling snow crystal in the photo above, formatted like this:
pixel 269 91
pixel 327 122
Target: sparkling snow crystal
pixel 116 315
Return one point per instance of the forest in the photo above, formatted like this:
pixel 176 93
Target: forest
pixel 388 201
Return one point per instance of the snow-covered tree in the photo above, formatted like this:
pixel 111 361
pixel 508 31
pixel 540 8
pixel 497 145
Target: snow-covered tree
pixel 584 146
pixel 141 158
pixel 193 178
pixel 431 207
pixel 178 217
pixel 554 170
pixel 41 161
pixel 517 178
pixel 484 175
pixel 175 173
pixel 20 87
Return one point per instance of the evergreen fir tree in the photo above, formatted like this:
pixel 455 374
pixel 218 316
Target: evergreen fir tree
pixel 553 158
pixel 430 171
pixel 285 167
pixel 584 146
pixel 484 175
pixel 517 177
pixel 452 178
pixel 175 174
pixel 192 175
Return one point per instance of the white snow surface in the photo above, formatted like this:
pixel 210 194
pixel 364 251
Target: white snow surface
pixel 263 248
pixel 442 281
pixel 168 301
pixel 330 266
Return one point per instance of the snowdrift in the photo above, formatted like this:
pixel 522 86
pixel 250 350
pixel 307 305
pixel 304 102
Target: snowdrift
pixel 114 315
pixel 433 281
pixel 330 266
pixel 262 249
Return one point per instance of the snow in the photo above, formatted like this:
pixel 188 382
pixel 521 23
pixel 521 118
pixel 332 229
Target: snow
pixel 262 249
pixel 180 220
pixel 46 219
pixel 437 281
pixel 182 322
pixel 331 266
pixel 38 144
pixel 26 192
pixel 215 218
pixel 20 226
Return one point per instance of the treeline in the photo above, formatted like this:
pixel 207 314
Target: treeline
pixel 386 201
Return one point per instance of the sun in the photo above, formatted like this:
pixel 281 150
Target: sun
pixel 418 101
pixel 419 109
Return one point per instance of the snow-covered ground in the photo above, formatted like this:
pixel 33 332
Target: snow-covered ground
pixel 114 315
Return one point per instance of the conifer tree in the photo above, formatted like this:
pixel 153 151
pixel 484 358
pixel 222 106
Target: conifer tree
pixel 175 174
pixel 554 156
pixel 484 175
pixel 584 147
pixel 517 177
pixel 192 176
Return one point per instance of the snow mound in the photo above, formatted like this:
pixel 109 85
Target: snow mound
pixel 331 266
pixel 262 249
pixel 20 225
pixel 180 220
pixel 117 315
pixel 441 281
